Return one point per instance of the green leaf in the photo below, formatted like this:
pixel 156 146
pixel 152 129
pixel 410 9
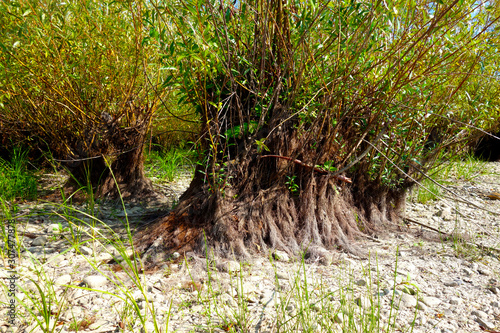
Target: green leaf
pixel 196 57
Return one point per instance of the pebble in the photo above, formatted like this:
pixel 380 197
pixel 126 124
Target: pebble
pixel 98 324
pixel 445 213
pixel 360 282
pixel 430 301
pixel 421 306
pixel 363 302
pixel 339 317
pixel 53 229
pixel 86 250
pixel 485 323
pixel 95 281
pixel 467 272
pixel 484 271
pixel 148 327
pixel 450 283
pixel 63 280
pixel 326 259
pixel 281 256
pixel 479 314
pixel 408 300
pixel 230 266
pixel 39 241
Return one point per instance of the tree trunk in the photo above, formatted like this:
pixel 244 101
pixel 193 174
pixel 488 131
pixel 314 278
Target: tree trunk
pixel 112 155
pixel 272 202
pixel 127 171
pixel 270 187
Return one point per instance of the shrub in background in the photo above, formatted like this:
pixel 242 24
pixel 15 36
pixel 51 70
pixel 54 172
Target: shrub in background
pixel 78 79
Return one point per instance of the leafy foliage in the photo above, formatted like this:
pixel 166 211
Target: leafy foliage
pixel 376 89
pixel 72 77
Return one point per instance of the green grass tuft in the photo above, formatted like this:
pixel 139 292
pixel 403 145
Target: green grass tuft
pixel 16 180
pixel 166 165
pixel 431 192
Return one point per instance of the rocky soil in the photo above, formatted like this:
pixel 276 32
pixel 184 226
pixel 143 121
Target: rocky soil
pixel 437 273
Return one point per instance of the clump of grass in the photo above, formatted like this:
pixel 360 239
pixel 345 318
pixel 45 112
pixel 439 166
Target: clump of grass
pixel 16 180
pixel 468 168
pixel 464 168
pixel 42 308
pixel 429 191
pixel 166 165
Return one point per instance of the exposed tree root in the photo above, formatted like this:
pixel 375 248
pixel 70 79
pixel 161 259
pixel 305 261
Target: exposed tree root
pixel 251 205
pixel 324 217
pixel 124 177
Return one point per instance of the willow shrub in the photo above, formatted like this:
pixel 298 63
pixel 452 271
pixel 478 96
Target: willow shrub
pixel 78 78
pixel 317 115
pixel 394 82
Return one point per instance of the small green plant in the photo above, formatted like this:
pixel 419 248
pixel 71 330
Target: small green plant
pixel 468 168
pixel 328 166
pixel 292 185
pixel 463 167
pixel 44 305
pixel 16 180
pixel 428 192
pixel 420 243
pixel 167 165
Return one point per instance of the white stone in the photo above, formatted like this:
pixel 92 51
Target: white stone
pixel 86 250
pixel 98 324
pixel 149 327
pixel 362 302
pixel 39 241
pixel 445 213
pixel 485 323
pixel 480 314
pixel 230 266
pixel 281 256
pixel 450 283
pixel 63 280
pixel 104 256
pixel 53 228
pixel 421 320
pixel 421 306
pixel 430 301
pixel 467 272
pixel 408 300
pixel 339 317
pixel 95 281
